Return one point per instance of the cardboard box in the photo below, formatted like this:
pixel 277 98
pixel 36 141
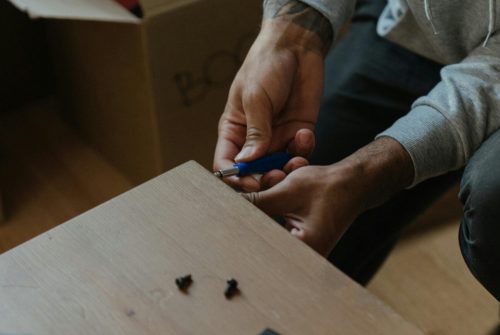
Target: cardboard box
pixel 147 93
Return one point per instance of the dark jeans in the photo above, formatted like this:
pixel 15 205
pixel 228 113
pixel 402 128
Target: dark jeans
pixel 370 83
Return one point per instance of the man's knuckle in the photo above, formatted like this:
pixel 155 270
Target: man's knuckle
pixel 256 133
pixel 252 93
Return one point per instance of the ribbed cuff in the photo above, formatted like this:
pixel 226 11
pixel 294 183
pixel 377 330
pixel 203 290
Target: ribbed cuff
pixel 433 144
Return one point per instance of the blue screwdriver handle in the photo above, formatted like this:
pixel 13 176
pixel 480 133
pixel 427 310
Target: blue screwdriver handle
pixel 265 164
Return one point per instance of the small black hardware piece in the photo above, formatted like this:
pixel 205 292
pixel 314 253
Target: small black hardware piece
pixel 231 289
pixel 183 282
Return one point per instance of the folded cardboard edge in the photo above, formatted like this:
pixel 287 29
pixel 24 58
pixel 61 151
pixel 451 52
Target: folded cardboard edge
pixel 153 7
pixel 91 10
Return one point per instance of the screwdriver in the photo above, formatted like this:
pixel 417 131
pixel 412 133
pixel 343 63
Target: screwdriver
pixel 265 164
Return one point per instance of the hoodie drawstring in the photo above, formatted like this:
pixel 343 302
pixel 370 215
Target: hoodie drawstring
pixel 492 23
pixel 428 14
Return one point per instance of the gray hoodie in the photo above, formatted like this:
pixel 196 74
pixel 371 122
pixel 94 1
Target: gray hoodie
pixel 444 128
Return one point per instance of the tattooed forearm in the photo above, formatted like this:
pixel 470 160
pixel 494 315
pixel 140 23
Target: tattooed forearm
pixel 301 14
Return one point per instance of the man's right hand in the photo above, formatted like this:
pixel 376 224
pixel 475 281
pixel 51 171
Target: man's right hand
pixel 274 100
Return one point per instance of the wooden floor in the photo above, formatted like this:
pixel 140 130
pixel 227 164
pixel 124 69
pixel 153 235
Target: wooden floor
pixel 48 175
pixel 426 280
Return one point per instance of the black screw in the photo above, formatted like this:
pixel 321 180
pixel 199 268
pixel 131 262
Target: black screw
pixel 269 331
pixel 183 282
pixel 232 288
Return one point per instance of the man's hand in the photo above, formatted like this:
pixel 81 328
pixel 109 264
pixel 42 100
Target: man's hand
pixel 274 100
pixel 317 203
pixel 320 202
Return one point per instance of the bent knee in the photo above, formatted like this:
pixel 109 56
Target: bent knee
pixel 480 228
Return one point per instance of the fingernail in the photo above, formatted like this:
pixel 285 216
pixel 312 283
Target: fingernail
pixel 247 151
pixel 306 138
pixel 297 233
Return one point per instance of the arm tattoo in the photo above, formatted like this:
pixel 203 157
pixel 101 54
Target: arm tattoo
pixel 302 15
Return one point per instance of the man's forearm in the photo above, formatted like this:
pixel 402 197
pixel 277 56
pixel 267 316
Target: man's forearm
pixel 302 15
pixel 378 171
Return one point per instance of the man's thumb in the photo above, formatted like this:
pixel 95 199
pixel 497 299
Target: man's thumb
pixel 258 136
pixel 272 201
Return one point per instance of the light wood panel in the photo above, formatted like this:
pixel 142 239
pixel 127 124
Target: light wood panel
pixel 48 175
pixel 112 270
pixel 427 281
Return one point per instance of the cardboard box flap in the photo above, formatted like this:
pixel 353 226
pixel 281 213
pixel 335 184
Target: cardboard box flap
pixel 152 7
pixel 93 10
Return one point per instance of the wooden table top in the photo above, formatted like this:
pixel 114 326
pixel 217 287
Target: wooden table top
pixel 112 270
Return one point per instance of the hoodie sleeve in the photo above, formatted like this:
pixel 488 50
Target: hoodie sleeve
pixel 447 126
pixel 338 12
